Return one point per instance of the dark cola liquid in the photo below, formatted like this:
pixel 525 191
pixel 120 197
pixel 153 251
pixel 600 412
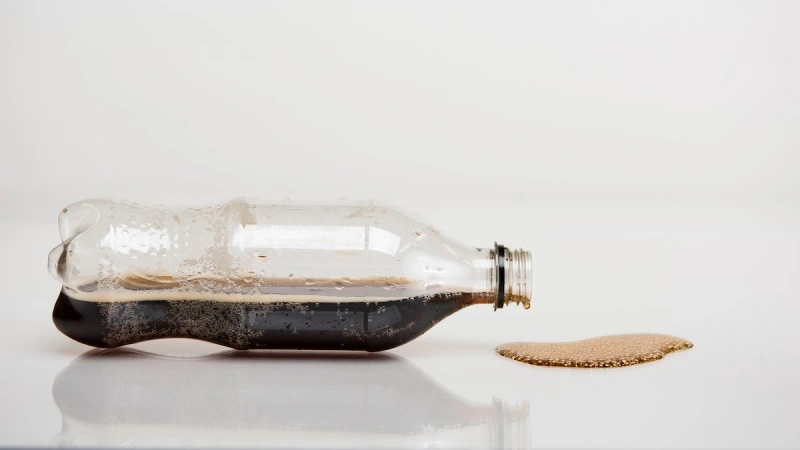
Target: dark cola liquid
pixel 370 326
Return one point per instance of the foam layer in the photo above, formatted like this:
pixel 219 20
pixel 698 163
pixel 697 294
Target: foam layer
pixel 174 295
pixel 605 351
pixel 143 287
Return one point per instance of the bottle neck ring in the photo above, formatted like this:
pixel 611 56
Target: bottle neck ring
pixel 512 277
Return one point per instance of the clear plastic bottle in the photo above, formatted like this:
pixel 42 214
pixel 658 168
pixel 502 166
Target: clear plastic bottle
pixel 249 275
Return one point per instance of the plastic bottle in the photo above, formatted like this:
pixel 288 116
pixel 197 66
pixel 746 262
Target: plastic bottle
pixel 249 275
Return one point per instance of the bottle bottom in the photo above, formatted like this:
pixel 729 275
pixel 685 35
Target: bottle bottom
pixel 351 325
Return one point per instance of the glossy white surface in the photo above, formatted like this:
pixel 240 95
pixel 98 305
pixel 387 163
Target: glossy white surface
pixel 724 279
pixel 645 153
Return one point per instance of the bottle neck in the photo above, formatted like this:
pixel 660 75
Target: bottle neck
pixel 513 277
pixel 509 277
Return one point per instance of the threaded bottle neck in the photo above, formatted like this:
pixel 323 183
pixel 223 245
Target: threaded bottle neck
pixel 513 277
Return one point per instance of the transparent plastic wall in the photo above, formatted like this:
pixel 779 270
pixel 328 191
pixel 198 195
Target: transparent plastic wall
pixel 116 250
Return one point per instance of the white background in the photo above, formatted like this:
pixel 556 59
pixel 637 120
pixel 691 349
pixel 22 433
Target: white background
pixel 646 153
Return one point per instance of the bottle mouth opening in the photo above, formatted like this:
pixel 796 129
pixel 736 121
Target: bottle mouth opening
pixel 523 276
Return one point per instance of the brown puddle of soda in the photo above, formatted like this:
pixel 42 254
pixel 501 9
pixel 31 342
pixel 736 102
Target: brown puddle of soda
pixel 605 351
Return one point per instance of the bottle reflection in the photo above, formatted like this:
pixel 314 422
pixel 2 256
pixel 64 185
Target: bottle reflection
pixel 124 397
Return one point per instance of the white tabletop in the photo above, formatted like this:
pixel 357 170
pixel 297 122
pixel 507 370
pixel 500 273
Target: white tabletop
pixel 724 279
